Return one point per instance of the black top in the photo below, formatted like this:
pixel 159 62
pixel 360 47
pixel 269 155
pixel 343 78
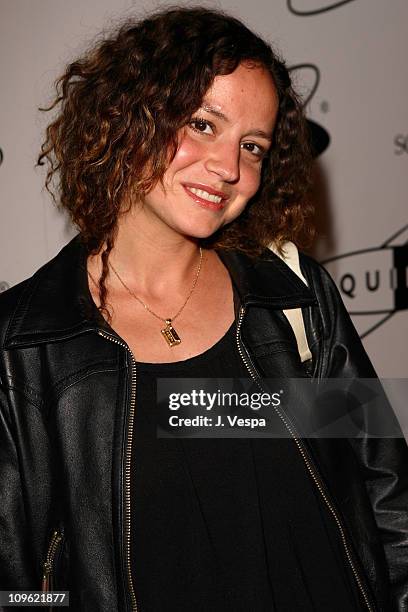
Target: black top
pixel 199 535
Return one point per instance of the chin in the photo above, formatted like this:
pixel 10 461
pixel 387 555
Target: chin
pixel 198 228
pixel 201 233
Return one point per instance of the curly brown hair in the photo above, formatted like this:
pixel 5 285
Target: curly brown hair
pixel 120 109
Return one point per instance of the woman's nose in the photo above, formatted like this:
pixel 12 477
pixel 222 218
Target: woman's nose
pixel 224 161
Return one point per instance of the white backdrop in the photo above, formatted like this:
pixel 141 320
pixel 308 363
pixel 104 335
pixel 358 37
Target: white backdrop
pixel 357 85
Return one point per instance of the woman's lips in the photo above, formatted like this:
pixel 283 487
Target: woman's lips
pixel 204 202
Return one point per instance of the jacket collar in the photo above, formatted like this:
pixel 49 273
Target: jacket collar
pixel 266 281
pixel 56 302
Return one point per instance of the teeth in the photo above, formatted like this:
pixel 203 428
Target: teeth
pixel 205 195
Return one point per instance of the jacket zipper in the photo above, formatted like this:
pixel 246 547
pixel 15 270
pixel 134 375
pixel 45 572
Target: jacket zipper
pixel 128 459
pixel 301 448
pixel 48 565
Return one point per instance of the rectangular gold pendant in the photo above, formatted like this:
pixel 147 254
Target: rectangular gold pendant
pixel 170 335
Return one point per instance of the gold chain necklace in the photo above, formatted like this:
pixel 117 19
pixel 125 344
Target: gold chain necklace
pixel 169 333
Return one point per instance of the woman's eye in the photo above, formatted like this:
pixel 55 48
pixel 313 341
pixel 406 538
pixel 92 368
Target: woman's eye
pixel 253 148
pixel 202 126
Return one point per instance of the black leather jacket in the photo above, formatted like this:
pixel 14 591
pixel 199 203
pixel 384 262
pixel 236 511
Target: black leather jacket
pixel 67 389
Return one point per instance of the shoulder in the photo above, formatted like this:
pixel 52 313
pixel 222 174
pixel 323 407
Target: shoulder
pixel 49 300
pixel 333 312
pixel 315 270
pixel 320 281
pixel 9 305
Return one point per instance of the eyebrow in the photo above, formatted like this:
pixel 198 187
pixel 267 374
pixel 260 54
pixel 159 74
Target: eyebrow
pixel 213 111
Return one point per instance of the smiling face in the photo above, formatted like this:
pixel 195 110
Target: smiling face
pixel 217 167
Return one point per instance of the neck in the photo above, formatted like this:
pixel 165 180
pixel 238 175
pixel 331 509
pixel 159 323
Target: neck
pixel 149 259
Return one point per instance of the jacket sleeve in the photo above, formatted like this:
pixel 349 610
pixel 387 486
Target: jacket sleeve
pixel 384 460
pixel 15 566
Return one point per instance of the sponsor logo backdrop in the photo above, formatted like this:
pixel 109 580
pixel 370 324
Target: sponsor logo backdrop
pixel 348 60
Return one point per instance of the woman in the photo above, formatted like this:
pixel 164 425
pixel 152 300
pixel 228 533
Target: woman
pixel 182 153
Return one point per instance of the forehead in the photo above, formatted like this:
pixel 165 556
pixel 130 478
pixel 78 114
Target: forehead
pixel 247 94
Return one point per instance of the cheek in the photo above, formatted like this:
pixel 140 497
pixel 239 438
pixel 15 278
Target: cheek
pixel 189 152
pixel 250 179
pixel 248 186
